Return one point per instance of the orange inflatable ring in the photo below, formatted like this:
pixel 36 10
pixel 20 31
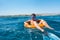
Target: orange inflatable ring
pixel 28 25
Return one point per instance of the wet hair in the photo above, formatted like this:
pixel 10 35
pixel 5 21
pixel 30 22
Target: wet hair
pixel 33 14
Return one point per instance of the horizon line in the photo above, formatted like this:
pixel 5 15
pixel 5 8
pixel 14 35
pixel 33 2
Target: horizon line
pixel 45 14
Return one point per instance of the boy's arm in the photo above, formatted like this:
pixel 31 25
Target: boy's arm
pixel 26 23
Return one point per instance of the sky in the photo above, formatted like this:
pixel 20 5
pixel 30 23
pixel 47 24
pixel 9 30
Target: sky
pixel 15 7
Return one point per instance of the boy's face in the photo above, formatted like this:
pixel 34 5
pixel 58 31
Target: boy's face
pixel 33 17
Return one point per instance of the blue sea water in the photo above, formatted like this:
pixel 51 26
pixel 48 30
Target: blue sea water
pixel 12 28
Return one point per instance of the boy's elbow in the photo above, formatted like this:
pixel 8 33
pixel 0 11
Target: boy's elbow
pixel 43 20
pixel 24 22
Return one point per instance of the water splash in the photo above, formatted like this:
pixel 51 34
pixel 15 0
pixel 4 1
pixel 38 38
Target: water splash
pixel 50 36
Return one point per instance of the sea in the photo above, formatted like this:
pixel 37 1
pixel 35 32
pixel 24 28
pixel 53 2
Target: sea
pixel 12 27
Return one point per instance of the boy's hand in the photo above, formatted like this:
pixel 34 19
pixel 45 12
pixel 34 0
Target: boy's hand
pixel 42 30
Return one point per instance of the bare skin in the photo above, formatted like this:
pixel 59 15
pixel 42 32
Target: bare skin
pixel 46 25
pixel 38 27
